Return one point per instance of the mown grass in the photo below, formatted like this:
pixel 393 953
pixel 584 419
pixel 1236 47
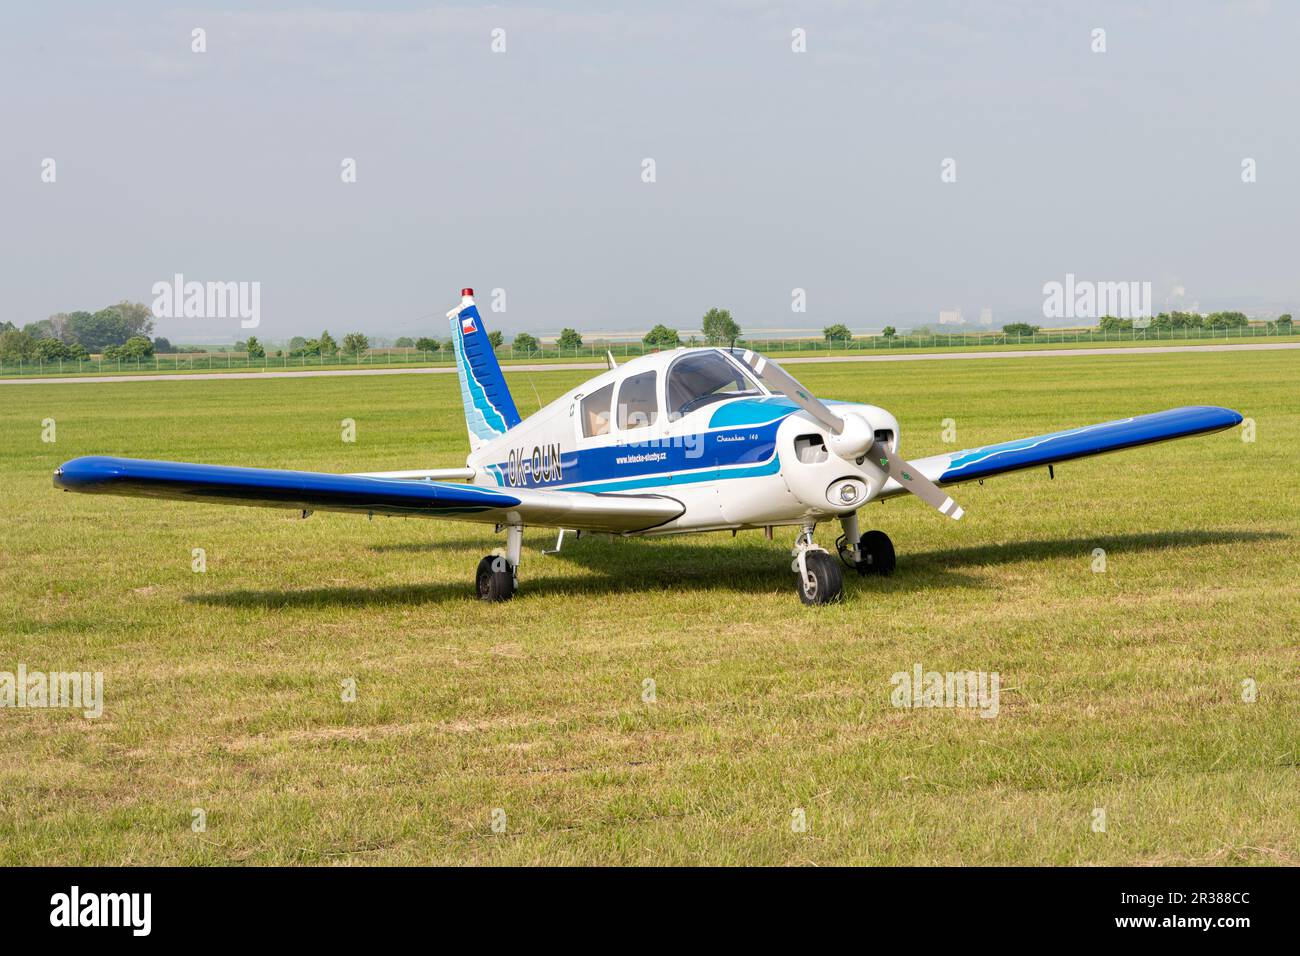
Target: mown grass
pixel 1120 690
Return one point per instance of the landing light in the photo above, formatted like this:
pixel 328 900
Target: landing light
pixel 846 492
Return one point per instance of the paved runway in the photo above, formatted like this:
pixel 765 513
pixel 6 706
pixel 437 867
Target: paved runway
pixel 593 366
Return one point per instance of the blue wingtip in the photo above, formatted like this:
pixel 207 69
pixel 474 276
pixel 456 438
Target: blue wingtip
pixel 84 472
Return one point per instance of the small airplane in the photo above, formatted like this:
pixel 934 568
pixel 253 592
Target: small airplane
pixel 679 441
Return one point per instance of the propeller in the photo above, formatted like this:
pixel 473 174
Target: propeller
pixel 850 435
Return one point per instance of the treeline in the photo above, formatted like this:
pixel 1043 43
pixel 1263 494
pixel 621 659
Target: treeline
pixel 117 330
pixel 122 331
pixel 1164 322
pixel 718 326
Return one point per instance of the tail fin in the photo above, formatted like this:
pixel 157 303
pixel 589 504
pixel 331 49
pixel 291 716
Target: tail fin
pixel 489 410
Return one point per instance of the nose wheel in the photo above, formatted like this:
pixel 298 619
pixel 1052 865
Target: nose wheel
pixel 817 573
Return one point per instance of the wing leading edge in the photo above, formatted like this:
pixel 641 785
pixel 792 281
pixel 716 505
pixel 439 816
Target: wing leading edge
pixel 316 491
pixel 1041 450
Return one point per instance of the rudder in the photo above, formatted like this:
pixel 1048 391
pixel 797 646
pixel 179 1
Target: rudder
pixel 489 408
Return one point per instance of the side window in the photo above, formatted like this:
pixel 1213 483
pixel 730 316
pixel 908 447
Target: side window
pixel 595 411
pixel 638 405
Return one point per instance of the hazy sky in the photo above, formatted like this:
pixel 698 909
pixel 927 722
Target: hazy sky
pixel 522 170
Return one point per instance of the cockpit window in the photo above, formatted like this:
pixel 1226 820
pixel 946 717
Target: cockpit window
pixel 638 406
pixel 703 378
pixel 595 411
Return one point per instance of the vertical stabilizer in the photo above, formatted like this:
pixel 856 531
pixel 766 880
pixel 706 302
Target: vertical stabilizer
pixel 489 408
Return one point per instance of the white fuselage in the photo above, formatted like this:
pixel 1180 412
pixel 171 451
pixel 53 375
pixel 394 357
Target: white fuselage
pixel 742 458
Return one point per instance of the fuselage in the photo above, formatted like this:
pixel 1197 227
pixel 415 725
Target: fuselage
pixel 694 425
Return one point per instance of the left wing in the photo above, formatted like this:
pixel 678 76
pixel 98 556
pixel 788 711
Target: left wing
pixel 315 491
pixel 1041 450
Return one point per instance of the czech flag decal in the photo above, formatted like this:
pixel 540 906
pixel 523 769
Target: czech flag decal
pixel 467 325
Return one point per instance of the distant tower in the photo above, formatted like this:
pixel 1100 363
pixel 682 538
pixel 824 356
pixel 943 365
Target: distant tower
pixel 986 316
pixel 951 317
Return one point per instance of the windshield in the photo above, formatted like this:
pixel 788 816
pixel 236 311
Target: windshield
pixel 703 378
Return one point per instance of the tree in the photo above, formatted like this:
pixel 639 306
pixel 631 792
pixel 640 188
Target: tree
pixel 297 343
pixel 100 329
pixel 661 337
pixel 326 345
pixel 136 316
pixel 1226 320
pixel 137 347
pixel 16 346
pixel 426 344
pixel 526 343
pixel 569 339
pixel 59 327
pixel 495 338
pixel 404 342
pixel 1284 322
pixel 720 328
pixel 889 331
pixel 50 350
pixel 839 332
pixel 1110 323
pixel 354 343
pixel 1020 328
pixel 254 348
pixel 161 344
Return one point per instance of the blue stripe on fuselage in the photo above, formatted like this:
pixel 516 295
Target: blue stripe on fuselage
pixel 675 460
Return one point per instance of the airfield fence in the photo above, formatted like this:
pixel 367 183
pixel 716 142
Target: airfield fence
pixel 595 351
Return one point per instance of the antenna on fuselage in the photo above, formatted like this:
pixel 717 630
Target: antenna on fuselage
pixel 610 363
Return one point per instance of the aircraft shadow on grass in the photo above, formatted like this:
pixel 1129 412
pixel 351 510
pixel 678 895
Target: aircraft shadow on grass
pixel 733 566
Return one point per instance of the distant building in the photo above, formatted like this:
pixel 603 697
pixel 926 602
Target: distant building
pixel 986 316
pixel 951 317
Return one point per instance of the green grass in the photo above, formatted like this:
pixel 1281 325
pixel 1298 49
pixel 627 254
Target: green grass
pixel 1120 690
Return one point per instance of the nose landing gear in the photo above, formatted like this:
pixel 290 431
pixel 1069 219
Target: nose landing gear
pixel 818 575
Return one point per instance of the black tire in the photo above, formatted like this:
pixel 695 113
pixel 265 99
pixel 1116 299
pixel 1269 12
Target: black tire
pixel 494 579
pixel 877 554
pixel 825 570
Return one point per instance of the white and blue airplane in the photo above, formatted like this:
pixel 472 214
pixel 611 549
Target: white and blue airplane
pixel 686 440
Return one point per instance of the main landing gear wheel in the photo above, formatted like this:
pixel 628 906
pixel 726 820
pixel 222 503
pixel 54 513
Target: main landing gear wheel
pixel 823 583
pixel 877 554
pixel 495 579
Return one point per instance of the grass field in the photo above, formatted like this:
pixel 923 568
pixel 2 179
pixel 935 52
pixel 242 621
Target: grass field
pixel 1121 690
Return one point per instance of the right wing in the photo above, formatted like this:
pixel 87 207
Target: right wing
pixel 316 491
pixel 976 464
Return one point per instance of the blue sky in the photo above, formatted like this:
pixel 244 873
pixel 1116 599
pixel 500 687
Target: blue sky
pixel 522 170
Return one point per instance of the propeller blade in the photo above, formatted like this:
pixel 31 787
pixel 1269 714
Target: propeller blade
pixel 907 475
pixel 779 380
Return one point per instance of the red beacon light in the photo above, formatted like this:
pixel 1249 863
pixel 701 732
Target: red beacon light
pixel 468 292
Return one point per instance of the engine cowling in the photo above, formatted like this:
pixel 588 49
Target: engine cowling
pixel 833 473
